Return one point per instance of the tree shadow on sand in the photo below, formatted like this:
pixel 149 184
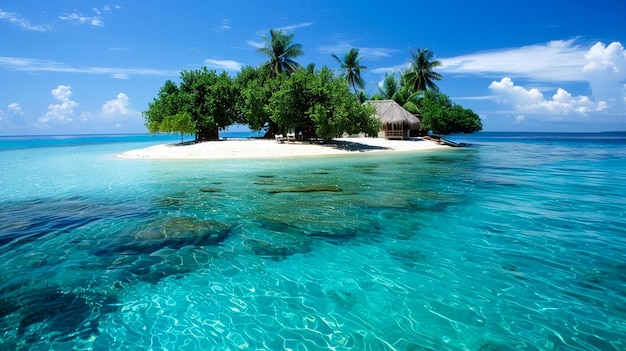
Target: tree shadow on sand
pixel 354 146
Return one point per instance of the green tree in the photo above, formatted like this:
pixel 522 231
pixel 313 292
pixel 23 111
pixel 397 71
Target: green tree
pixel 396 91
pixel 441 116
pixel 255 87
pixel 421 75
pixel 351 67
pixel 281 51
pixel 289 103
pixel 210 99
pixel 336 111
pixel 181 122
pixel 165 104
pixel 389 88
pixel 405 98
pixel 320 100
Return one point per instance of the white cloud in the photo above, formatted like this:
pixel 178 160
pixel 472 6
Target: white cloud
pixel 295 26
pixel 368 53
pixel 117 113
pixel 94 21
pixel 35 65
pixel 15 19
pixel 556 61
pixel 228 65
pixel 118 106
pixel 392 69
pixel 606 71
pixel 603 68
pixel 76 18
pixel 533 101
pixel 256 44
pixel 63 111
pixel 15 108
pixel 14 117
pixel 224 26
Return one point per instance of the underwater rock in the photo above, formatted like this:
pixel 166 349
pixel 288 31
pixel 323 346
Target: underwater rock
pixel 278 250
pixel 210 190
pixel 150 269
pixel 492 346
pixel 26 221
pixel 306 189
pixel 264 182
pixel 53 314
pixel 509 267
pixel 278 240
pixel 369 166
pixel 411 258
pixel 171 233
pixel 343 298
pixel 337 237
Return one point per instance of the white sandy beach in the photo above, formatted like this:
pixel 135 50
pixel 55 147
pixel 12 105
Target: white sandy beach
pixel 256 148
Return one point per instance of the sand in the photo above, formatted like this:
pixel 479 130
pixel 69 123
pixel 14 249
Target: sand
pixel 262 148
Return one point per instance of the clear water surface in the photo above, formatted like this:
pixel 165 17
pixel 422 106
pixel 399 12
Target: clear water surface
pixel 516 242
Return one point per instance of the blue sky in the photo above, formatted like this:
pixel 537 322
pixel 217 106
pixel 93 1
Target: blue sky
pixel 78 67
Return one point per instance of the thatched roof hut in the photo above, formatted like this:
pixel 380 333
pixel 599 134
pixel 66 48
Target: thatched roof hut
pixel 397 121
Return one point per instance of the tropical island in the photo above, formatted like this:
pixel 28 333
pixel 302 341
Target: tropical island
pixel 286 101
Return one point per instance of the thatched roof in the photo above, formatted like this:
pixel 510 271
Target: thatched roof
pixel 390 112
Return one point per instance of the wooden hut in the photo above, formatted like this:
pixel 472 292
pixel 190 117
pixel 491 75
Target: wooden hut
pixel 397 121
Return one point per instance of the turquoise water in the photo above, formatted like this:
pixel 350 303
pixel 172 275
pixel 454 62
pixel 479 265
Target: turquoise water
pixel 517 242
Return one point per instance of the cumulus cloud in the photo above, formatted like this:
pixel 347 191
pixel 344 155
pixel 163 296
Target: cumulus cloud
pixel 118 106
pixel 63 111
pixel 23 23
pixel 606 71
pixel 14 117
pixel 533 101
pixel 603 68
pixel 228 65
pixel 15 108
pixel 117 113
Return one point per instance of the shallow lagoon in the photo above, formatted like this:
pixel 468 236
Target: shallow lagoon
pixel 516 242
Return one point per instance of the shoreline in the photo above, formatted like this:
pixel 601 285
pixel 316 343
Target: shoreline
pixel 267 148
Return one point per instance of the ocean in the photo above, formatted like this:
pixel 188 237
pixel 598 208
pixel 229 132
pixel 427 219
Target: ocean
pixel 515 242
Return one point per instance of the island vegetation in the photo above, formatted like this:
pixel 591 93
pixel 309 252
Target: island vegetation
pixel 283 96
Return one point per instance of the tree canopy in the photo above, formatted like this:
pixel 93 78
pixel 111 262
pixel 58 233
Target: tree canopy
pixel 281 51
pixel 351 67
pixel 318 99
pixel 281 95
pixel 204 96
pixel 421 75
pixel 441 116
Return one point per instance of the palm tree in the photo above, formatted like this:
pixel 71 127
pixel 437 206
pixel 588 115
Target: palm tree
pixel 420 75
pixel 389 87
pixel 351 68
pixel 281 52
